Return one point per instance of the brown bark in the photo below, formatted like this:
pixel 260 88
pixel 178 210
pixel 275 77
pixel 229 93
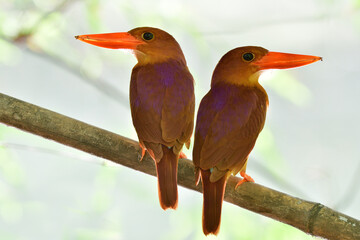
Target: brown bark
pixel 312 218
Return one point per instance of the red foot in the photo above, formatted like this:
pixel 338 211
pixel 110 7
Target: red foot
pixel 182 155
pixel 197 176
pixel 246 178
pixel 142 152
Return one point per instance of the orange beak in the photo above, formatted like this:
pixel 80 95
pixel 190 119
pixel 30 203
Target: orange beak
pixel 277 60
pixel 118 40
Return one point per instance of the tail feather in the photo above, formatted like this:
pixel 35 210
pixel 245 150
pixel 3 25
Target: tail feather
pixel 166 170
pixel 213 193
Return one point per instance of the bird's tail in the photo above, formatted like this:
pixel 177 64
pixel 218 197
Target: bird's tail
pixel 166 170
pixel 213 193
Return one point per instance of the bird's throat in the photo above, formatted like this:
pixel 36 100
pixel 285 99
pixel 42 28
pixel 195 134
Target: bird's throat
pixel 239 79
pixel 157 57
pixel 253 79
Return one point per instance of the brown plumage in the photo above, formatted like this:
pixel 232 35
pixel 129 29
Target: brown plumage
pixel 161 98
pixel 230 118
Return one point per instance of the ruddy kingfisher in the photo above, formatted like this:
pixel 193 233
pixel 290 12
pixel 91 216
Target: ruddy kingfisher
pixel 230 117
pixel 162 99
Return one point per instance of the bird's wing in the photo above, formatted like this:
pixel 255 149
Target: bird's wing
pixel 162 103
pixel 146 101
pixel 231 130
pixel 177 119
pixel 205 116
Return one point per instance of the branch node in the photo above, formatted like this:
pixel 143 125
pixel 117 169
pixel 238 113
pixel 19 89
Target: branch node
pixel 313 214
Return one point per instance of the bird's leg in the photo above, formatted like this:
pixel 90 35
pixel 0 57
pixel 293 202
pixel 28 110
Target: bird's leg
pixel 143 150
pixel 197 175
pixel 246 178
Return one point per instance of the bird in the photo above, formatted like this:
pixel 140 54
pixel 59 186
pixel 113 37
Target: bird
pixel 162 100
pixel 230 118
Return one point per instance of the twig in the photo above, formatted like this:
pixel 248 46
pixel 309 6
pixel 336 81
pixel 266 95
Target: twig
pixel 313 218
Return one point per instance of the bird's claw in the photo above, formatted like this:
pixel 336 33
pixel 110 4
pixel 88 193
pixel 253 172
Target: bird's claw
pixel 197 175
pixel 143 150
pixel 246 178
pixel 182 155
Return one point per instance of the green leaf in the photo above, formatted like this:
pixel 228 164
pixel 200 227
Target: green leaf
pixel 10 54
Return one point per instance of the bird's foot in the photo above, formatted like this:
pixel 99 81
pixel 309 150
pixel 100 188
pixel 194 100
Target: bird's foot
pixel 182 155
pixel 197 175
pixel 143 150
pixel 246 178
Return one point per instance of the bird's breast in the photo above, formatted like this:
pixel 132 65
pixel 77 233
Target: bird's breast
pixel 153 84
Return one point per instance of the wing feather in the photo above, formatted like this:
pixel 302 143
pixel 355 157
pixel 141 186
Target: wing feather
pixel 162 103
pixel 229 121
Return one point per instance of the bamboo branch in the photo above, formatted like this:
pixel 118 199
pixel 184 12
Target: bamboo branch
pixel 312 218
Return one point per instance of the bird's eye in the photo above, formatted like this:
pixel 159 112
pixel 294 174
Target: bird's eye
pixel 147 36
pixel 248 56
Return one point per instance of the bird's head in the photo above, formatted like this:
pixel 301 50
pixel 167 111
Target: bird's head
pixel 243 65
pixel 150 45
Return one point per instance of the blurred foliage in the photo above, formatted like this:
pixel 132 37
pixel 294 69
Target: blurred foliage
pixel 104 189
pixel 247 228
pixel 11 180
pixel 266 146
pixel 93 234
pixel 10 169
pixel 10 54
pixel 287 86
pixel 356 4
pixel 93 15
